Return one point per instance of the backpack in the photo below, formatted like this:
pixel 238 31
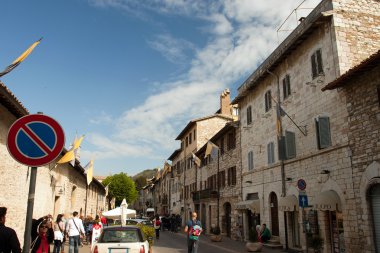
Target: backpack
pixel 194 231
pixel 157 224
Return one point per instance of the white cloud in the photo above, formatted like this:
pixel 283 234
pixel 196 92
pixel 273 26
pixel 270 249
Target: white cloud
pixel 174 50
pixel 240 35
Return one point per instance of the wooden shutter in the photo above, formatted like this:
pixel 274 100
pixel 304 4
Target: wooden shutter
pixel 323 132
pixel 319 61
pixel 290 139
pixel 270 150
pixel 313 66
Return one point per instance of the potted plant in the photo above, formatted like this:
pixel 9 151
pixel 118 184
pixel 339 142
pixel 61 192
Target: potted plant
pixel 253 244
pixel 215 234
pixel 148 234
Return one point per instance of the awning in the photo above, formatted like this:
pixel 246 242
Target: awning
pixel 253 205
pixel 288 203
pixel 328 201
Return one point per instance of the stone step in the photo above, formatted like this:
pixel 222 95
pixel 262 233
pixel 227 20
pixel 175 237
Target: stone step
pixel 274 241
pixel 272 246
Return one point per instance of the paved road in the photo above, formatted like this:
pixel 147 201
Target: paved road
pixel 176 243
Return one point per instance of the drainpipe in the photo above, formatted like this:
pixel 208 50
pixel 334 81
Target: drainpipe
pixel 279 140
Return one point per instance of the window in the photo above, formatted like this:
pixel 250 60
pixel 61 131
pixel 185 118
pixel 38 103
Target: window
pixel 194 135
pixel 222 179
pixel 286 86
pixel 231 176
pixel 322 125
pixel 316 63
pixel 231 141
pixel 378 94
pixel 222 145
pixel 187 141
pixel 250 160
pixel 190 138
pixel 268 100
pixel 290 143
pixel 249 115
pixel 182 146
pixel 270 151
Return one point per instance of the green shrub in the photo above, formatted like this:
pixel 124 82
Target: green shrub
pixel 148 233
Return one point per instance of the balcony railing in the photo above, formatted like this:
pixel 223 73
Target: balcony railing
pixel 205 194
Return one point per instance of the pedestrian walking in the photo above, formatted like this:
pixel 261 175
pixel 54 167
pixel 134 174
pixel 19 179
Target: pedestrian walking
pixel 8 238
pixel 42 235
pixel 193 229
pixel 157 226
pixel 59 234
pixel 75 231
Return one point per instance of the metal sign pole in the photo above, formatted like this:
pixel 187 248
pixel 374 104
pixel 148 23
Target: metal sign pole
pixel 29 212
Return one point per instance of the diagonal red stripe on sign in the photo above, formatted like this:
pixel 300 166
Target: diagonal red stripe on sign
pixel 36 140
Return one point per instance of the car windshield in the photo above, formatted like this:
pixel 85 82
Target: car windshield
pixel 131 222
pixel 119 236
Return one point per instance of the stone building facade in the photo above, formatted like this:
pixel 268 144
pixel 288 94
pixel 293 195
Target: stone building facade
pixel 312 133
pixel 218 188
pixel 58 190
pixel 361 87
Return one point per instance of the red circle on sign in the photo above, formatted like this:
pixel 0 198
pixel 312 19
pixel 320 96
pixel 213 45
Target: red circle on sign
pixel 20 125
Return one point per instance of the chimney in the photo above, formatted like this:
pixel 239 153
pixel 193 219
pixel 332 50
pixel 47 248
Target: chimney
pixel 225 102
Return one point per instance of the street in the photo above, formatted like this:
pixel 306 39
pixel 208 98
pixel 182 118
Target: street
pixel 176 243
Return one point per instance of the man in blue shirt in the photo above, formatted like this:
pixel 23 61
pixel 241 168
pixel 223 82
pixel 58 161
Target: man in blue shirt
pixel 193 229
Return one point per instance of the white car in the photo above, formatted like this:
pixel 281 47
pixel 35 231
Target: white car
pixel 117 239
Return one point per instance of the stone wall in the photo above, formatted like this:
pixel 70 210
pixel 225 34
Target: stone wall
pixel 364 134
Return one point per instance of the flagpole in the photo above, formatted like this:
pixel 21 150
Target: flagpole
pixel 217 176
pixel 85 206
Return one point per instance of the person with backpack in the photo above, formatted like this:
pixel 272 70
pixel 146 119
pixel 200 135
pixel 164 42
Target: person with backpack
pixel 157 226
pixel 193 229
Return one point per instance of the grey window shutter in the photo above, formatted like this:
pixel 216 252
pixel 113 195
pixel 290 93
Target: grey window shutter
pixel 313 66
pixel 268 152
pixel 290 139
pixel 324 132
pixel 272 152
pixel 319 61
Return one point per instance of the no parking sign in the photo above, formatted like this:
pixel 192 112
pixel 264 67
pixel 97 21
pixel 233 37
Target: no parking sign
pixel 35 140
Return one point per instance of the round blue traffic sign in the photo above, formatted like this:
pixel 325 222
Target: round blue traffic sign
pixel 301 183
pixel 35 140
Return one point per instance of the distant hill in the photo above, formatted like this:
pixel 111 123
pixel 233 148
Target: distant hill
pixel 146 174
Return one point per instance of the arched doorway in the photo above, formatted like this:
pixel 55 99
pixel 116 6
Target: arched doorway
pixel 274 213
pixel 374 197
pixel 227 217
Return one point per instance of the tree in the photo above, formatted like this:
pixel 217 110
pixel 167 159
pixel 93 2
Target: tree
pixel 121 186
pixel 140 182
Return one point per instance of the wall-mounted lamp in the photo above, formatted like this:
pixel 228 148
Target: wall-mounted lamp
pixel 248 182
pixel 311 84
pixel 325 172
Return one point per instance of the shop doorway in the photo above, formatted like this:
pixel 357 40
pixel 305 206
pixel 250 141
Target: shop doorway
pixel 374 196
pixel 274 214
pixel 227 223
pixel 294 229
pixel 337 232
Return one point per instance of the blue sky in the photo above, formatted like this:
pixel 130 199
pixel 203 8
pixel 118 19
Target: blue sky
pixel 130 74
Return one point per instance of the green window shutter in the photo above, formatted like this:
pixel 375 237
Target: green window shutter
pixel 313 66
pixel 324 135
pixel 290 139
pixel 319 61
